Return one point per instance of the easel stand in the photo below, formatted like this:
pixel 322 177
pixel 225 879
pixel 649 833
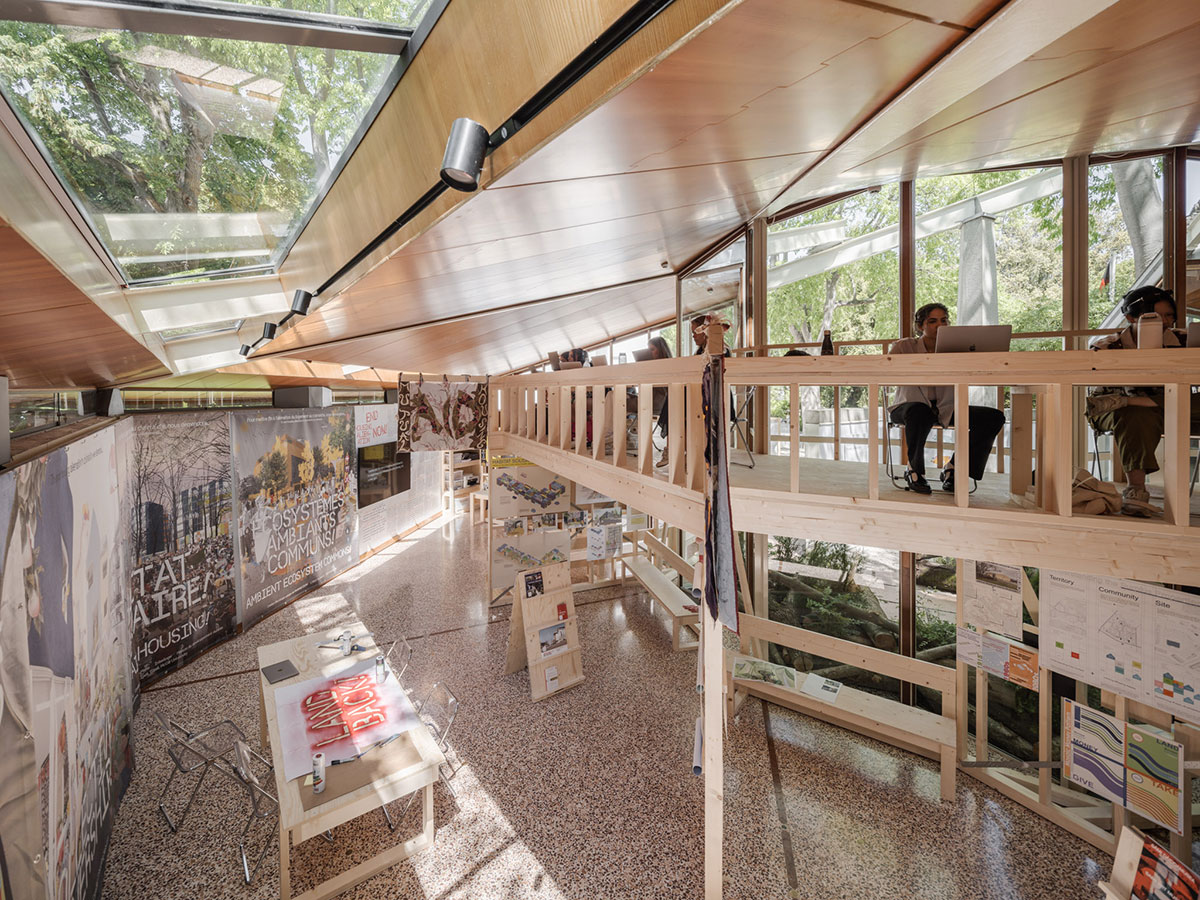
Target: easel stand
pixel 543 603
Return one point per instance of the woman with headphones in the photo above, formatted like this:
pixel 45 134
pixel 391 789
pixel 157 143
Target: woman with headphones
pixel 918 409
pixel 1134 415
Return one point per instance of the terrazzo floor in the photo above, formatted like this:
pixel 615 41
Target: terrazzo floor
pixel 588 794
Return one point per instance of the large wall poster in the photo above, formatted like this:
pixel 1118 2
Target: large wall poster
pixel 442 415
pixel 178 493
pixel 65 658
pixel 297 497
pixel 526 490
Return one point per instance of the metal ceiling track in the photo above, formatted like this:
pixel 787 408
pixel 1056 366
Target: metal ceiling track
pixel 215 19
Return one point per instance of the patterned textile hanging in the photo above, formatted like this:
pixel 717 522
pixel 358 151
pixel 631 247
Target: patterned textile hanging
pixel 719 548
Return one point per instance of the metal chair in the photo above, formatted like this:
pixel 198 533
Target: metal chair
pixel 437 711
pixel 263 804
pixel 190 751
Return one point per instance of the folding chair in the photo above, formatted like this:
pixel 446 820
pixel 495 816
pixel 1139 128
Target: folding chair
pixel 190 751
pixel 437 711
pixel 263 805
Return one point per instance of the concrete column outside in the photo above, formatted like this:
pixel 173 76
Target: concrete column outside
pixel 978 297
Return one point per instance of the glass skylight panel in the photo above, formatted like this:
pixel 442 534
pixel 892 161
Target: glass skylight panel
pixel 190 155
pixel 403 13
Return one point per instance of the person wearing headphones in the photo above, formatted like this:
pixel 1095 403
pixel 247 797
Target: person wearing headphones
pixel 918 409
pixel 1134 415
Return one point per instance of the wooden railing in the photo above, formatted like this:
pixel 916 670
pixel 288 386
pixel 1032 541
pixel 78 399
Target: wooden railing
pixel 589 412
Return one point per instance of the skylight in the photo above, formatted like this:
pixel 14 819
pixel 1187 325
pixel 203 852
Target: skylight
pixel 192 156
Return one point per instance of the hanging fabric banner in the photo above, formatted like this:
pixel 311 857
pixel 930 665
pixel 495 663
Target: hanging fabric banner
pixel 719 548
pixel 442 415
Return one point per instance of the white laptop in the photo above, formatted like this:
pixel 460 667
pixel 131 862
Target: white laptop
pixel 643 355
pixel 599 361
pixel 973 338
pixel 1193 334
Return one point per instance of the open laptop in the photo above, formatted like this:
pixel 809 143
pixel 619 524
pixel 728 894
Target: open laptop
pixel 1193 334
pixel 973 338
pixel 599 361
pixel 555 363
pixel 643 355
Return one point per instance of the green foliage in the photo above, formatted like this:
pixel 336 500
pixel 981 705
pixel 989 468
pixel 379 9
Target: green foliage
pixel 786 549
pixel 274 472
pixel 842 557
pixel 933 631
pixel 127 133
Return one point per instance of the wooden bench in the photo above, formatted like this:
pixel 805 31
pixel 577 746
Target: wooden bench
pixel 684 622
pixel 917 730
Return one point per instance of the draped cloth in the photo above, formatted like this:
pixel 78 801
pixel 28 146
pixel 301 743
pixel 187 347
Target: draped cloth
pixel 720 573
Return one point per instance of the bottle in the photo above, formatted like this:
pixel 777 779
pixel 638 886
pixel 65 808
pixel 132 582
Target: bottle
pixel 827 344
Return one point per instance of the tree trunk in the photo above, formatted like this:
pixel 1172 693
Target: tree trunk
pixel 1141 208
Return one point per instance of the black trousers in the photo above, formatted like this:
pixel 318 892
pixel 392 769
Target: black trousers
pixel 984 423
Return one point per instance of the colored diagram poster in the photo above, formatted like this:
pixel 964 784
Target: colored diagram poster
pixel 603 541
pixel 527 491
pixel 441 415
pixel 1120 636
pixel 1094 751
pixel 339 716
pixel 1064 624
pixel 511 553
pixel 1154 772
pixel 1175 652
pixel 1127 764
pixel 992 597
pixel 585 495
pixel 297 503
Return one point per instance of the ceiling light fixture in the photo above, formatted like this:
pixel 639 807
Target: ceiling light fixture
pixel 300 301
pixel 463 160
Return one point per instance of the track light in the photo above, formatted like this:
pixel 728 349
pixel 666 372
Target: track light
pixel 463 160
pixel 300 301
pixel 268 331
pixel 245 351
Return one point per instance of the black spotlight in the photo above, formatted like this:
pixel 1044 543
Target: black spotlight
pixel 300 301
pixel 463 160
pixel 268 331
pixel 245 351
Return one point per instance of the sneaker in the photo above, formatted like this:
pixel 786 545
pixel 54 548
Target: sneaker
pixel 1135 501
pixel 916 483
pixel 948 480
pixel 662 460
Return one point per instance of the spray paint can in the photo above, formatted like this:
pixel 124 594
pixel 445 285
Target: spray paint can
pixel 318 773
pixel 380 669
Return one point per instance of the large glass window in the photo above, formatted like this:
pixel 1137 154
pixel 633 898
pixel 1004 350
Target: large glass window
pixel 1125 233
pixel 842 590
pixel 189 155
pixel 989 247
pixel 1192 211
pixel 836 268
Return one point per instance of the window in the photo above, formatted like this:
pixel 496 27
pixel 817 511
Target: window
pixel 836 268
pixel 989 247
pixel 1125 234
pixel 1192 212
pixel 842 590
pixel 187 155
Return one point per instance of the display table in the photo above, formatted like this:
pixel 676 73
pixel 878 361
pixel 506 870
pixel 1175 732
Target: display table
pixel 418 769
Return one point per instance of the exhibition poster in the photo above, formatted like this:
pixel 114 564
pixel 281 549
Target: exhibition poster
pixel 177 499
pixel 441 415
pixel 1135 766
pixel 527 491
pixel 992 597
pixel 1139 640
pixel 297 503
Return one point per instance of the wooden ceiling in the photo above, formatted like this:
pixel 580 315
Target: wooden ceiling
pixel 52 335
pixel 714 113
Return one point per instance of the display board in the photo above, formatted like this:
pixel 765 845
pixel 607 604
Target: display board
pixel 178 508
pixel 544 632
pixel 66 676
pixel 998 656
pixel 296 503
pixel 375 423
pixel 442 415
pixel 526 491
pixel 1133 766
pixel 992 597
pixel 514 552
pixel 1139 640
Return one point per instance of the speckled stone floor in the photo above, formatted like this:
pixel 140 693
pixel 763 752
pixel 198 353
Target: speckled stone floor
pixel 589 794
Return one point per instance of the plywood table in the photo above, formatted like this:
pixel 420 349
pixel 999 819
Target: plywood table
pixel 298 824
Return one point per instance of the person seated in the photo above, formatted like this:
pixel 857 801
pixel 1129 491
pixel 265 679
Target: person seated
pixel 1134 415
pixel 918 409
pixel 575 354
pixel 796 352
